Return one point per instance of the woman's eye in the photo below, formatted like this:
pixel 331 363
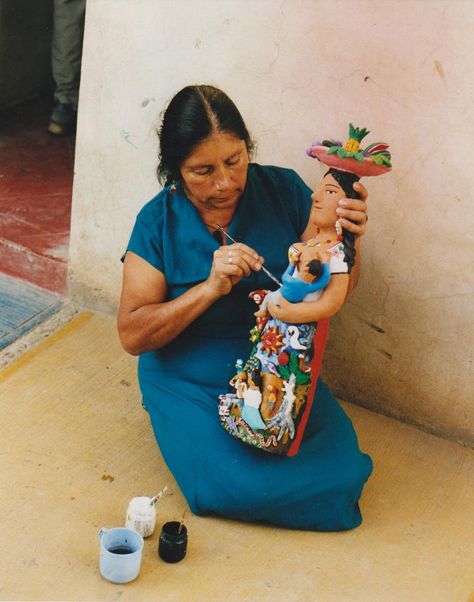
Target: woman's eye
pixel 203 172
pixel 232 162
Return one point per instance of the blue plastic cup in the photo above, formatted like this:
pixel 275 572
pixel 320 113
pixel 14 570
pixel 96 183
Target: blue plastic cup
pixel 120 554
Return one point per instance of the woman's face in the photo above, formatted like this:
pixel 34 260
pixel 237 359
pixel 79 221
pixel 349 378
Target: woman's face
pixel 215 173
pixel 325 202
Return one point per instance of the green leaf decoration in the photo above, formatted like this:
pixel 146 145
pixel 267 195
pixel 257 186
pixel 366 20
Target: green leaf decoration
pixel 333 150
pixel 341 153
pixel 381 160
pixel 359 157
pixel 302 378
pixel 255 335
pixel 357 133
pixel 293 363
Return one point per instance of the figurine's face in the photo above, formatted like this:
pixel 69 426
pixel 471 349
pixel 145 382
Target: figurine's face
pixel 215 173
pixel 325 202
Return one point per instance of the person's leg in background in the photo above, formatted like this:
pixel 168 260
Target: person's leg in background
pixel 66 64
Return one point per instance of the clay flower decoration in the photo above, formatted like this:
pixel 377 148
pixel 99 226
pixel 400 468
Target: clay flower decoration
pixel 371 161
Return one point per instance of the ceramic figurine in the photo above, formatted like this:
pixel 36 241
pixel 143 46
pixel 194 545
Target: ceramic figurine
pixel 275 386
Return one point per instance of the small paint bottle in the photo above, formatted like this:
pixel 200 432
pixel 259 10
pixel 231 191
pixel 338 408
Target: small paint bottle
pixel 141 515
pixel 173 542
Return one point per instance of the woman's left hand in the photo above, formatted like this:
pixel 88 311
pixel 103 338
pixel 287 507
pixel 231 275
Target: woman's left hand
pixel 353 212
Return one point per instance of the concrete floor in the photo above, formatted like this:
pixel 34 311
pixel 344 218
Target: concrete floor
pixel 75 446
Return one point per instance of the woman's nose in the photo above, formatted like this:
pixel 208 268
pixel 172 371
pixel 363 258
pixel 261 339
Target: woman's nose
pixel 222 180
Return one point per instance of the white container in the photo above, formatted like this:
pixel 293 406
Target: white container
pixel 141 516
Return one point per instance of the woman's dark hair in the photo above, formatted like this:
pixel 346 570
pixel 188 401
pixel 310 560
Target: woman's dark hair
pixel 193 114
pixel 346 181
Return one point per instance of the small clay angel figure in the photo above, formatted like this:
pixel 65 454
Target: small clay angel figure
pixel 274 409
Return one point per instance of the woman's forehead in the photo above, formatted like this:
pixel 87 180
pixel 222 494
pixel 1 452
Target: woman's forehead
pixel 216 147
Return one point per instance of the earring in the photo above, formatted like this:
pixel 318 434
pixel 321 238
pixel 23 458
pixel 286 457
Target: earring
pixel 339 230
pixel 173 187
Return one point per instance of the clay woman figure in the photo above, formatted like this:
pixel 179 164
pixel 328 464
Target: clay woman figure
pixel 273 411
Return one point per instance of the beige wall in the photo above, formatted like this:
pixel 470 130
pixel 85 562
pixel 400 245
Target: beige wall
pixel 297 70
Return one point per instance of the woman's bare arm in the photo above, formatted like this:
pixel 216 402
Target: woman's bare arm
pixel 146 320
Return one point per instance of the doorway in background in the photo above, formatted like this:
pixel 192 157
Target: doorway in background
pixel 36 174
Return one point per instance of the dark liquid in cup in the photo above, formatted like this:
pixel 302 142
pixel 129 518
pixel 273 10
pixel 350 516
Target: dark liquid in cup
pixel 121 550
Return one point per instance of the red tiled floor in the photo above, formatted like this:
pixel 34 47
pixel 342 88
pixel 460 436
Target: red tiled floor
pixel 36 173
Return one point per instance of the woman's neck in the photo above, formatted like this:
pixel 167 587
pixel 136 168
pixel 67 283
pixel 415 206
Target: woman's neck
pixel 214 219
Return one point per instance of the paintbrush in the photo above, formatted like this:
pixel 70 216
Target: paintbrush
pixel 267 272
pixel 181 523
pixel 157 497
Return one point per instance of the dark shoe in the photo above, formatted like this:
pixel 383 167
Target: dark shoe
pixel 63 120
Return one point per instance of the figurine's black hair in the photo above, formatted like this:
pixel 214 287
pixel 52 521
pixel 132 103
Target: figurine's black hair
pixel 346 181
pixel 192 115
pixel 315 268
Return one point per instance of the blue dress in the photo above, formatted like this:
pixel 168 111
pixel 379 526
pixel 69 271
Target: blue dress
pixel 319 488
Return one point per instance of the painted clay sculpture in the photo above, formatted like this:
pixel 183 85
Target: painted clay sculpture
pixel 274 388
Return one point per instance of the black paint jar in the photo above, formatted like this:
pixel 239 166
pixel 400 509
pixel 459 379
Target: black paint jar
pixel 173 542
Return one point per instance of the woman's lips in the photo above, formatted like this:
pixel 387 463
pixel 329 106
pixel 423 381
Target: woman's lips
pixel 223 198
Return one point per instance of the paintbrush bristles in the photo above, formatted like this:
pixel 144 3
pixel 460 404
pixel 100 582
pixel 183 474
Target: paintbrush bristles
pixel 157 497
pixel 181 523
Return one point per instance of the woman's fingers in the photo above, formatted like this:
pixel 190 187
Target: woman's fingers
pixel 361 190
pixel 353 215
pixel 233 264
pixel 357 228
pixel 241 256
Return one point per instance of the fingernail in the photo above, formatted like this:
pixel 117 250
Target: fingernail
pixel 343 202
pixel 339 211
pixel 258 266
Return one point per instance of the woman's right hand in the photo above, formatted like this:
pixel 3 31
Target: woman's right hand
pixel 230 264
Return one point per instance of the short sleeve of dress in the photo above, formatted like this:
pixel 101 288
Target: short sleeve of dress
pixel 146 239
pixel 337 263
